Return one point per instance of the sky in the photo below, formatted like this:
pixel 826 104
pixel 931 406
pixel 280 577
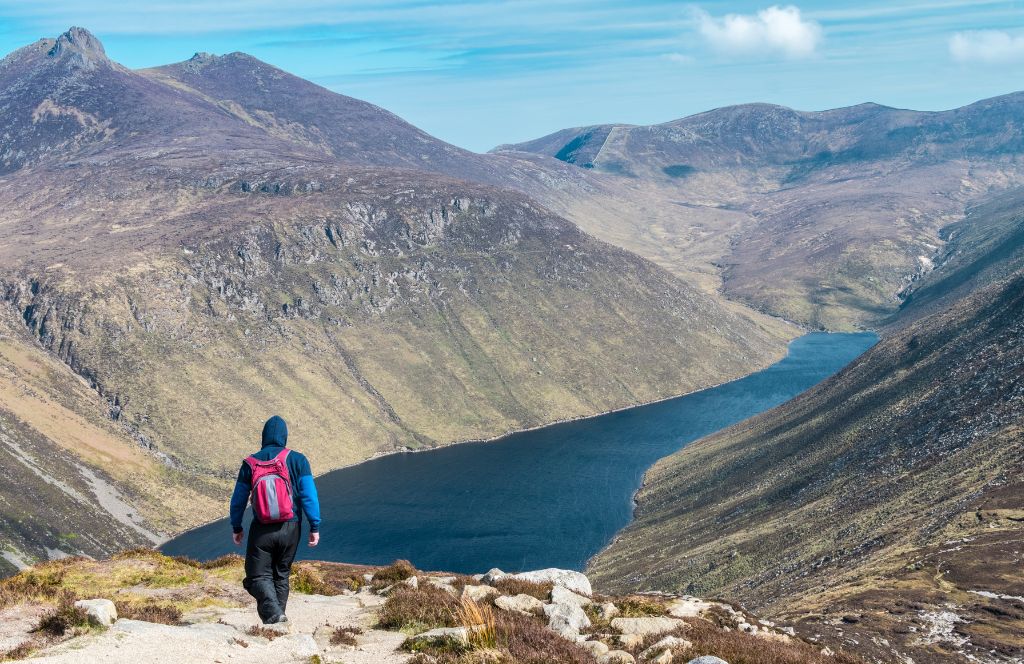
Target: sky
pixel 478 74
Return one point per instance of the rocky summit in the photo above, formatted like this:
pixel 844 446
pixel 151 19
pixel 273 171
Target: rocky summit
pixel 142 606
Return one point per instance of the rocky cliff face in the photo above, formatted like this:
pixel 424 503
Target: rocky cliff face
pixel 191 265
pixel 883 506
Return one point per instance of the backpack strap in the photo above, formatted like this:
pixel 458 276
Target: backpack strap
pixel 283 455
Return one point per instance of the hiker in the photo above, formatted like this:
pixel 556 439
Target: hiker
pixel 280 481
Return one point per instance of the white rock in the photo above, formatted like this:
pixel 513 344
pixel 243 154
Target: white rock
pixel 827 652
pixel 566 578
pixel 412 582
pixel 492 575
pixel 688 607
pixel 596 648
pixel 648 625
pixel 707 659
pixel 789 631
pixel 630 640
pixel 566 619
pixel 667 643
pixel 367 577
pixel 747 627
pixel 616 657
pixel 607 611
pixel 524 604
pixel 664 658
pixel 560 595
pixel 479 593
pixel 443 583
pixel 101 612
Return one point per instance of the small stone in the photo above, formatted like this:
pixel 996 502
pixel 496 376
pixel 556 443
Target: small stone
pixel 647 626
pixel 595 648
pixel 667 643
pixel 560 595
pixel 412 582
pixel 101 612
pixel 607 611
pixel 630 641
pixel 788 631
pixel 367 578
pixel 524 604
pixel 479 593
pixel 827 652
pixel 616 657
pixel 707 659
pixel 664 658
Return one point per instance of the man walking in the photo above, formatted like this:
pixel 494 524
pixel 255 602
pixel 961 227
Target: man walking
pixel 279 480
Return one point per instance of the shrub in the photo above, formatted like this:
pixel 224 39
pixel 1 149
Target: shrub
pixel 528 641
pixel 20 651
pixel 512 586
pixel 263 632
pixel 400 570
pixel 42 582
pixel 345 636
pixel 306 579
pixel 152 612
pixel 420 608
pixel 66 617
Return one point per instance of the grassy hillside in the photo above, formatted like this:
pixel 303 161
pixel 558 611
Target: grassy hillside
pixel 891 493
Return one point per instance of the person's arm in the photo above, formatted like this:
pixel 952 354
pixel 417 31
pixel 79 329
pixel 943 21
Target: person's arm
pixel 309 500
pixel 239 499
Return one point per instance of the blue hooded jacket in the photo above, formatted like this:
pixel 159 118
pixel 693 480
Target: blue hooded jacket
pixel 275 439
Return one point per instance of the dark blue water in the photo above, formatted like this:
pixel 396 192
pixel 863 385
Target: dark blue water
pixel 551 497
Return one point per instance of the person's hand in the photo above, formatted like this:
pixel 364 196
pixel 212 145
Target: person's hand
pixel 237 537
pixel 314 539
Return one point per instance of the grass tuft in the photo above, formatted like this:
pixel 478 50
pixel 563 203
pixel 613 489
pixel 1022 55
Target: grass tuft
pixel 400 570
pixel 480 620
pixel 639 607
pixel 152 612
pixel 306 579
pixel 418 609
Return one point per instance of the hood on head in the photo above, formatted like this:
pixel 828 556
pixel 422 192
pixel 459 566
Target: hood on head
pixel 275 432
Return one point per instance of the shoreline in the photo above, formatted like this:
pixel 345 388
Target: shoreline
pixel 501 436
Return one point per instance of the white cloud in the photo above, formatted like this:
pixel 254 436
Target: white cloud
pixel 678 58
pixel 987 46
pixel 772 31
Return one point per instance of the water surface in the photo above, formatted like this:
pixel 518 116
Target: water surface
pixel 551 497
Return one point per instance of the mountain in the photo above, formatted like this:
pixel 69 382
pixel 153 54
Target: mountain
pixel 181 257
pixel 884 507
pixel 822 218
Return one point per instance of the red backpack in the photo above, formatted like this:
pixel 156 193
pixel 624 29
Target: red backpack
pixel 271 489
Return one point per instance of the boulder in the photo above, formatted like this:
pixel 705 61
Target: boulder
pixel 648 625
pixel 616 657
pixel 443 582
pixel 479 593
pixel 607 611
pixel 524 604
pixel 441 635
pixel 595 648
pixel 491 576
pixel 566 578
pixel 707 659
pixel 101 612
pixel 664 658
pixel 668 643
pixel 560 595
pixel 688 607
pixel 566 619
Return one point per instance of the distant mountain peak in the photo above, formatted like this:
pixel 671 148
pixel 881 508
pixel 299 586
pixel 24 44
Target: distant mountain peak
pixel 80 46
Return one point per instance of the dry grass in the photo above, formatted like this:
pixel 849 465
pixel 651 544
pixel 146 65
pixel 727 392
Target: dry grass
pixel 512 587
pixel 308 580
pixel 639 607
pixel 345 636
pixel 418 609
pixel 153 612
pixel 480 620
pixel 263 632
pixel 740 648
pixel 527 640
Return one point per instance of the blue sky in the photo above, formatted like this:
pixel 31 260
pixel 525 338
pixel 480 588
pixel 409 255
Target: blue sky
pixel 482 73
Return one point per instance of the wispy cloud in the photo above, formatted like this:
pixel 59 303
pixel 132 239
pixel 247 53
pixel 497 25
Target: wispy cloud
pixel 772 31
pixel 987 47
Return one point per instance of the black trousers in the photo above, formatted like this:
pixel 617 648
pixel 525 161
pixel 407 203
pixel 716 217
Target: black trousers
pixel 268 563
